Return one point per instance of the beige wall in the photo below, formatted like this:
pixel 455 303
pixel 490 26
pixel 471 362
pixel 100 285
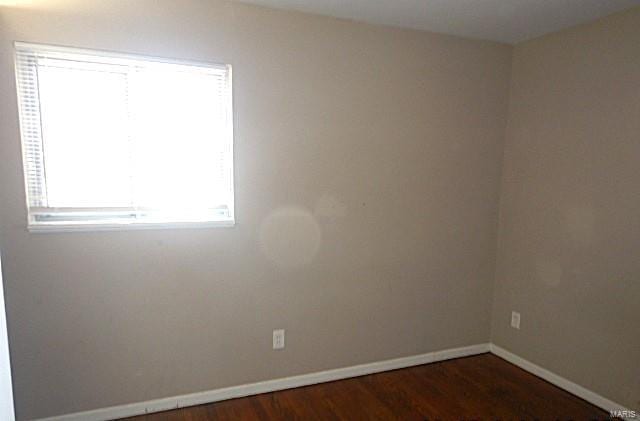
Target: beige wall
pixel 375 151
pixel 569 250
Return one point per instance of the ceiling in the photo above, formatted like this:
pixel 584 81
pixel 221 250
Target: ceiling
pixel 509 21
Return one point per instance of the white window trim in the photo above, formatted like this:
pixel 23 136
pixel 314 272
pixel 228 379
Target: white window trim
pixel 116 55
pixel 92 226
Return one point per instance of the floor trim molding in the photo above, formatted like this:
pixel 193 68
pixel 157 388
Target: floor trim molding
pixel 216 395
pixel 561 382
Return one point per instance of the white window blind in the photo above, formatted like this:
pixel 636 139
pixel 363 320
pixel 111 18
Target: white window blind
pixel 112 140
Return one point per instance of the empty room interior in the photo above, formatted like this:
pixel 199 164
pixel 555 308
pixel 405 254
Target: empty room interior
pixel 319 210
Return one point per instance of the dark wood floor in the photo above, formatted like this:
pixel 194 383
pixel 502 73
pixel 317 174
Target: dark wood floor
pixel 479 387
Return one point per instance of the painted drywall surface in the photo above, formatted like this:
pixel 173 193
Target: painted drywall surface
pixel 569 239
pixel 375 152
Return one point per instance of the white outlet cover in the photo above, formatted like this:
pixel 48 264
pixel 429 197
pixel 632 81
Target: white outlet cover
pixel 515 320
pixel 278 339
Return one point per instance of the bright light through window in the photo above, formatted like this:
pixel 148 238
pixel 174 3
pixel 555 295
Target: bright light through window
pixel 124 140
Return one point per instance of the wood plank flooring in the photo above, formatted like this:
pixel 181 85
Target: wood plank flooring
pixel 482 387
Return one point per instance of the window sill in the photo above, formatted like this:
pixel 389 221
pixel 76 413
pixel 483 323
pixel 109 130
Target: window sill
pixel 95 227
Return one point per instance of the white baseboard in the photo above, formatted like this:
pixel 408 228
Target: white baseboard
pixel 557 380
pixel 216 395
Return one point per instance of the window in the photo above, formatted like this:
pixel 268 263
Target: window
pixel 115 140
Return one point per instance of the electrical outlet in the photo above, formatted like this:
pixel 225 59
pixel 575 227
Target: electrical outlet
pixel 515 320
pixel 278 339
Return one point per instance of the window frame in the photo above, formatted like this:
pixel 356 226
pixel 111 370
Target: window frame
pixel 109 222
